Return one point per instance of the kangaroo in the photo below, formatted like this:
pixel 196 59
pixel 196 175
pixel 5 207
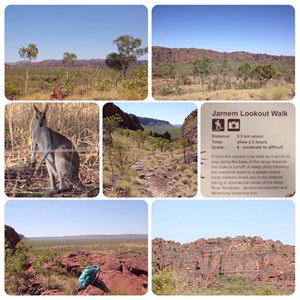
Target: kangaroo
pixel 61 157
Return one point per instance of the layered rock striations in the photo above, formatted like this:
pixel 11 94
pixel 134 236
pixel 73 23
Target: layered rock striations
pixel 190 127
pixel 187 55
pixel 260 261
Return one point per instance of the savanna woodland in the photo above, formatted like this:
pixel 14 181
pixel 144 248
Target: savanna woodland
pixel 148 161
pixel 198 74
pixel 79 122
pixel 121 76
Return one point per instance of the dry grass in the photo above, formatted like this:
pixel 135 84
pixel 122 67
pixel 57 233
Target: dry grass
pixel 79 122
pixel 92 95
pixel 167 282
pixel 71 285
pixel 191 92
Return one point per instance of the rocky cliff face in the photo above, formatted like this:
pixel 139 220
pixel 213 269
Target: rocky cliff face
pixel 189 127
pixel 261 261
pixel 187 55
pixel 12 238
pixel 129 121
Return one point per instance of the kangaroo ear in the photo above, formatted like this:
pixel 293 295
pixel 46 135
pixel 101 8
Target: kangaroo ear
pixel 35 109
pixel 46 108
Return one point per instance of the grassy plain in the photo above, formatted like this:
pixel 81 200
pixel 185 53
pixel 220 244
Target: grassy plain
pixel 82 83
pixel 107 246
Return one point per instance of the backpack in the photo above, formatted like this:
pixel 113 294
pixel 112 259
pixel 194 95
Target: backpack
pixel 88 276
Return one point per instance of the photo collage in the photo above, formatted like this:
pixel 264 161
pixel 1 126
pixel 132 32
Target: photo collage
pixel 149 149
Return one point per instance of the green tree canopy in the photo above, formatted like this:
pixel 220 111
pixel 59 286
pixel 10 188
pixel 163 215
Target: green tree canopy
pixel 129 49
pixel 202 67
pixel 264 72
pixel 29 53
pixel 69 58
pixel 245 72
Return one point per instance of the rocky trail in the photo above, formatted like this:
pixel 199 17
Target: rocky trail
pixel 155 185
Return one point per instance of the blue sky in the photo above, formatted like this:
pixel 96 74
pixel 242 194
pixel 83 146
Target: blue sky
pixel 86 30
pixel 35 218
pixel 188 220
pixel 174 112
pixel 257 28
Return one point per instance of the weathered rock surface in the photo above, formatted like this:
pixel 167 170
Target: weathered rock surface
pixel 129 121
pixel 189 127
pixel 261 261
pixel 12 238
pixel 126 274
pixel 187 55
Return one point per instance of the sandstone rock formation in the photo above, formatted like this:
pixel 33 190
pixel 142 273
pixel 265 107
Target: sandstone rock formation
pixel 12 238
pixel 189 127
pixel 187 55
pixel 125 274
pixel 263 262
pixel 129 121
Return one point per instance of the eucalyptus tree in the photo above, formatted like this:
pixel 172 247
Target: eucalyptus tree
pixel 28 54
pixel 129 50
pixel 202 67
pixel 69 60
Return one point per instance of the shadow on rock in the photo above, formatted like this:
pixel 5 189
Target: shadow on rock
pixel 101 285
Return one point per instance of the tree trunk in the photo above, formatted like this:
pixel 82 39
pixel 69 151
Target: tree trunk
pixel 201 81
pixel 222 82
pixel 117 82
pixel 26 81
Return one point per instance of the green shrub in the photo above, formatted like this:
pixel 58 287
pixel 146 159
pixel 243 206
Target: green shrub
pixel 166 90
pixel 163 283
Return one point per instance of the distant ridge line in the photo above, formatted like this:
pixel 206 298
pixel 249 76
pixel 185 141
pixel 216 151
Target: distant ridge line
pixel 91 237
pixel 78 63
pixel 187 55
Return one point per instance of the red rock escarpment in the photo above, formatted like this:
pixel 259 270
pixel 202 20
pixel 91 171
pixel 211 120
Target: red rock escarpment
pixel 187 55
pixel 261 261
